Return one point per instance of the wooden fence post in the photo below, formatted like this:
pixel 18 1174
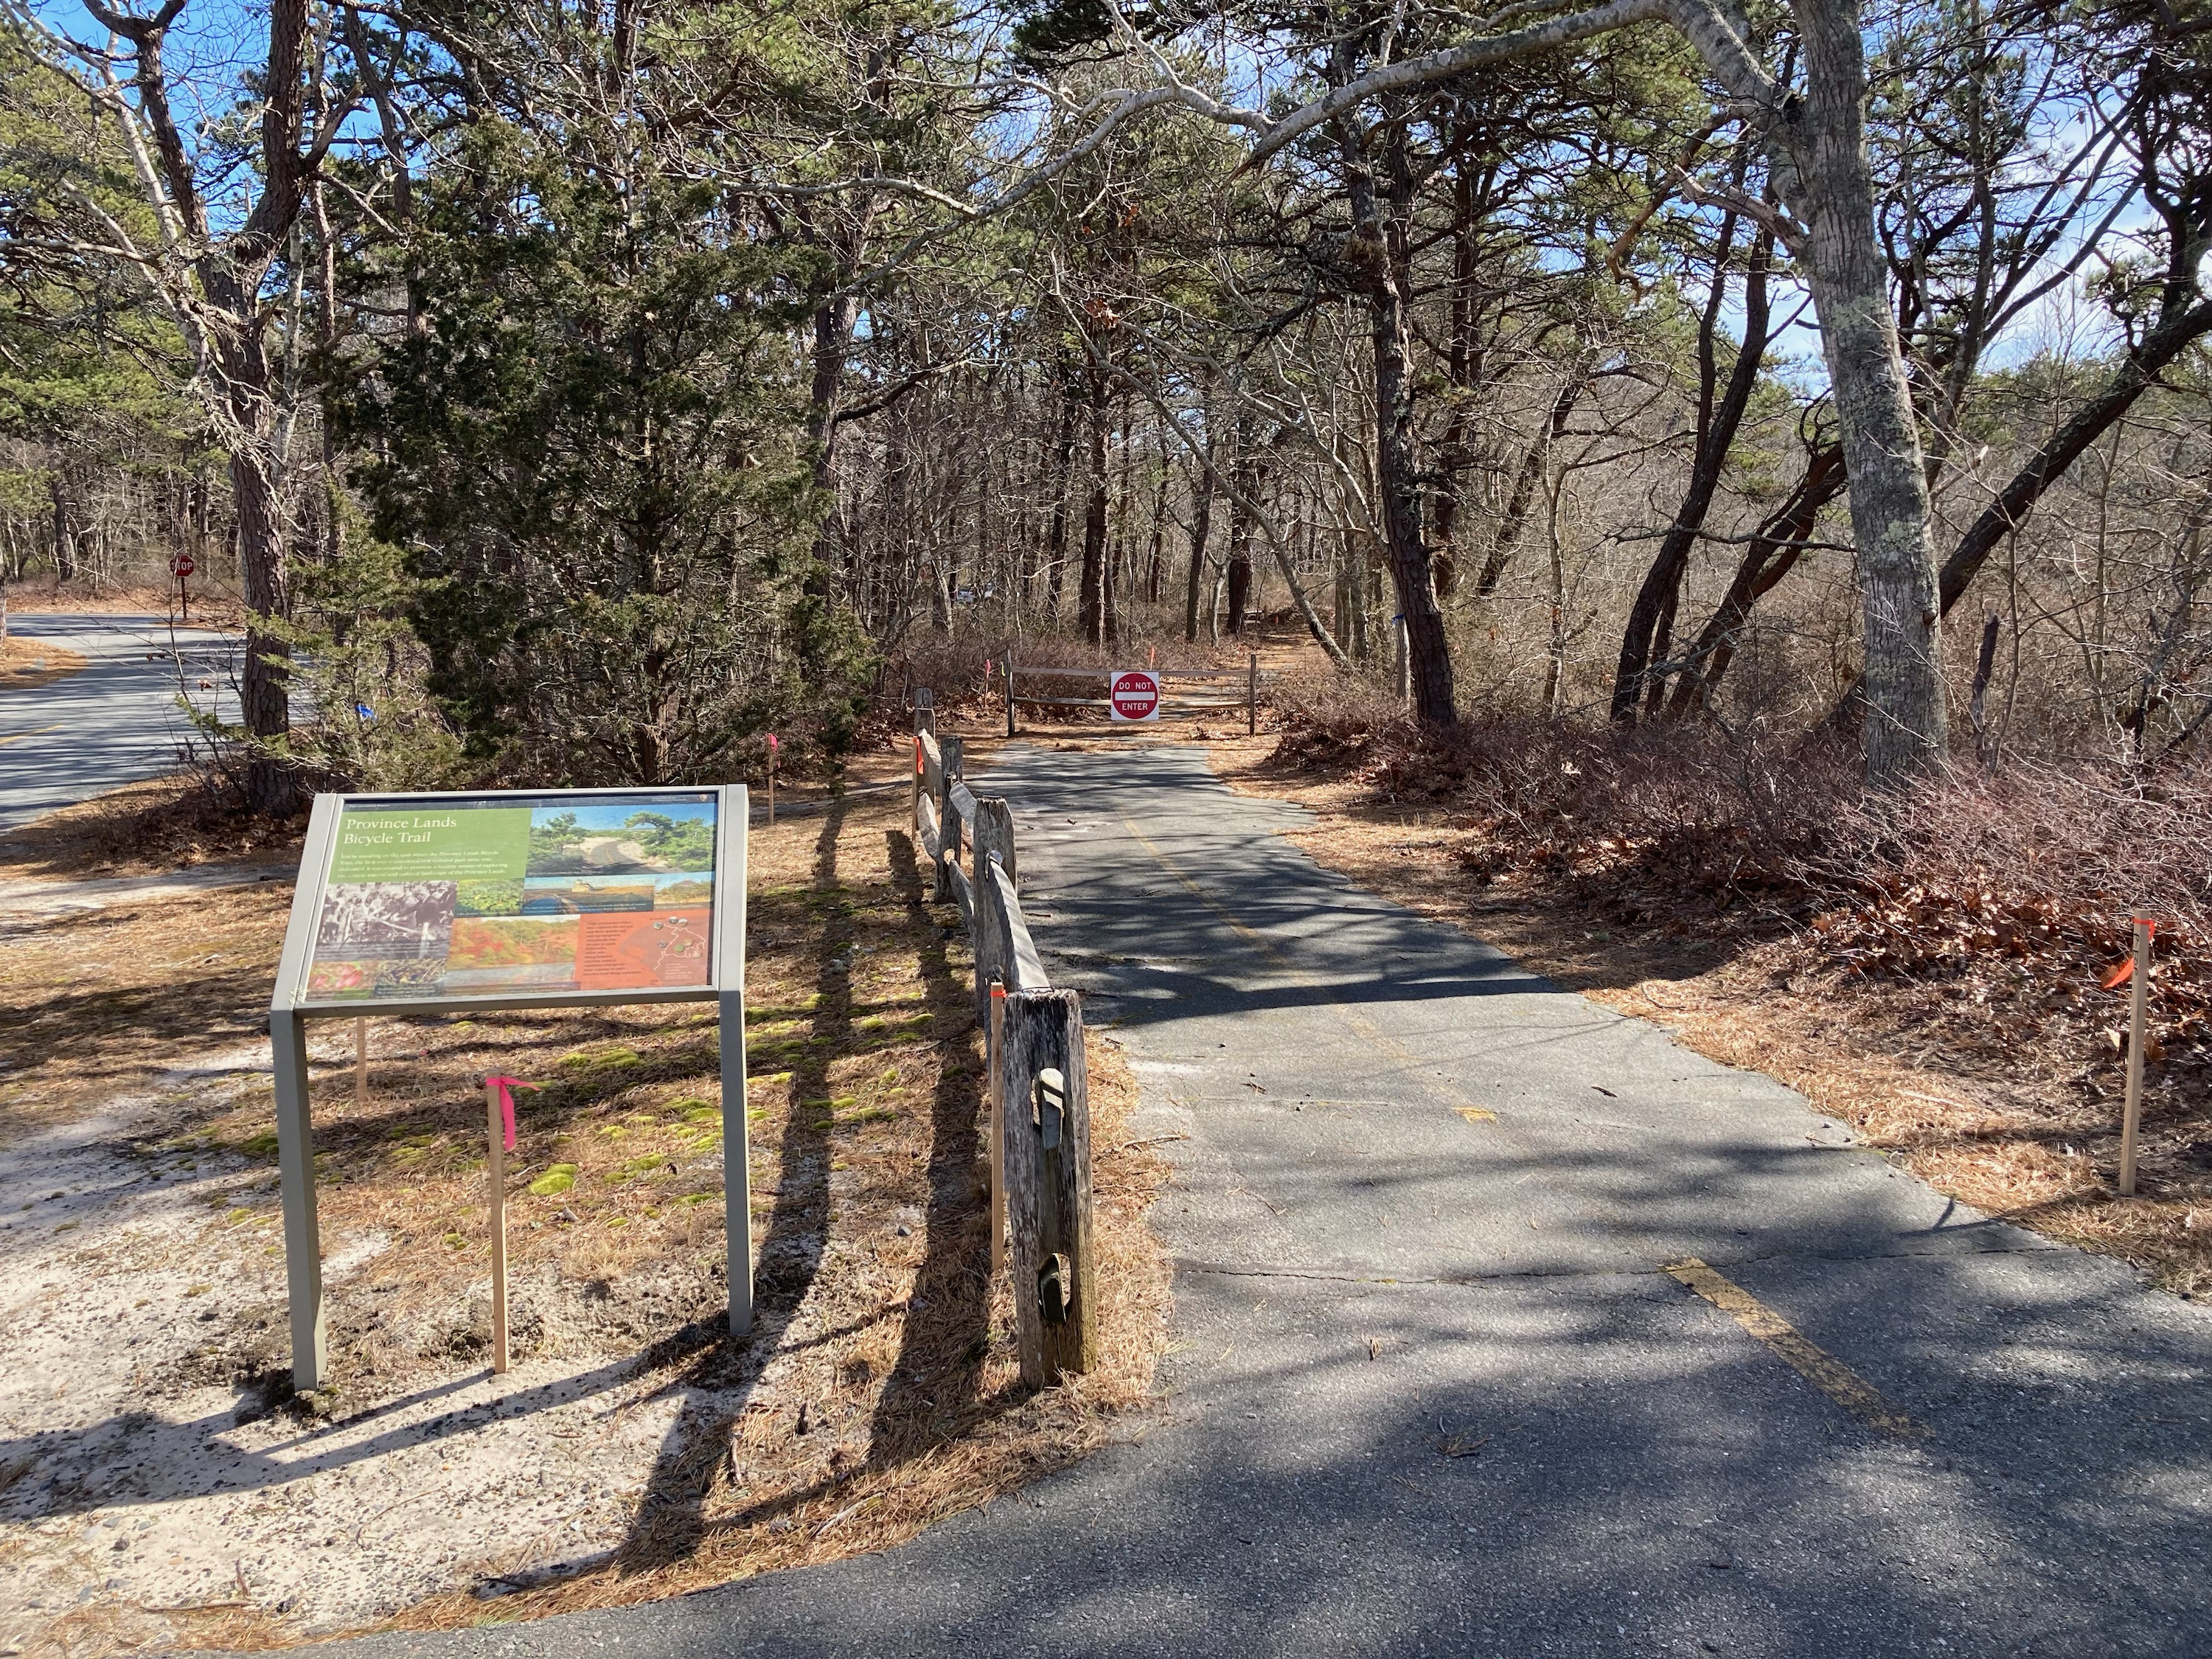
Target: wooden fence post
pixel 995 1043
pixel 495 1184
pixel 994 834
pixel 1252 695
pixel 1047 1163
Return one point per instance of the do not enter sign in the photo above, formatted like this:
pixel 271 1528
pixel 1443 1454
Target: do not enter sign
pixel 1135 695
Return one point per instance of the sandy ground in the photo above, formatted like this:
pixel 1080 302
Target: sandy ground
pixel 128 1478
pixel 159 1486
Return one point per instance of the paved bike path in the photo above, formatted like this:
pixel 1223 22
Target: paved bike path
pixel 1431 1392
pixel 115 722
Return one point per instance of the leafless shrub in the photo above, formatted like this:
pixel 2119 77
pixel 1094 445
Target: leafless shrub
pixel 2031 874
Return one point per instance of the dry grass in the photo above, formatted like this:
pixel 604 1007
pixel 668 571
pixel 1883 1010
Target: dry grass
pixel 27 663
pixel 152 828
pixel 211 606
pixel 879 1390
pixel 895 1399
pixel 1984 1059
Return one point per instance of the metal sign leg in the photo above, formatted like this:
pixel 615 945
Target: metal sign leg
pixel 295 1165
pixel 735 831
pixel 737 1163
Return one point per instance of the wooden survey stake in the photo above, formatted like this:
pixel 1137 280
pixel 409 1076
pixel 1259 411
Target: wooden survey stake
pixel 496 1167
pixel 2138 1019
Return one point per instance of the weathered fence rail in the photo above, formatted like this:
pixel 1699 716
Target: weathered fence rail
pixel 1040 1133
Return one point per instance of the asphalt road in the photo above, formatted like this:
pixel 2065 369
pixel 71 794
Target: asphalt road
pixel 116 723
pixel 1431 1392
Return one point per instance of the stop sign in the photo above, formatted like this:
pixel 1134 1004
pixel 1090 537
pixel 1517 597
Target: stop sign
pixel 1135 695
pixel 182 566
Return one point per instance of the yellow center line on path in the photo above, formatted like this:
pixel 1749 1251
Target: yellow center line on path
pixel 1815 1364
pixel 17 736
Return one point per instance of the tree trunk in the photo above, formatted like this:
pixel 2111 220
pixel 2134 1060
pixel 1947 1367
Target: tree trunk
pixel 1056 546
pixel 264 699
pixel 1774 550
pixel 1463 363
pixel 2048 465
pixel 1201 521
pixel 64 542
pixel 1651 620
pixel 1396 450
pixel 1906 724
pixel 1155 572
pixel 1096 595
pixel 1244 478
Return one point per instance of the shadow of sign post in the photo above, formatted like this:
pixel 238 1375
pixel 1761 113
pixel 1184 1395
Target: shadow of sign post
pixel 476 904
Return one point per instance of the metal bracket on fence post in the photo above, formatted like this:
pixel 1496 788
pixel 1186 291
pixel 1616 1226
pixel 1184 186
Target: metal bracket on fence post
pixel 995 1039
pixel 1052 1274
pixel 951 757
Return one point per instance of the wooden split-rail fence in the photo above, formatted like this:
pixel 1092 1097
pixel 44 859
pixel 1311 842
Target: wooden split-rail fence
pixel 1040 1133
pixel 1182 690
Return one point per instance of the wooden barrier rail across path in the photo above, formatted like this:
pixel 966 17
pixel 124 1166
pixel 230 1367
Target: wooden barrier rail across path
pixel 1223 684
pixel 1040 1134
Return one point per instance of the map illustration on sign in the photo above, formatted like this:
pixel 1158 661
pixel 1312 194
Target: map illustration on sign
pixel 500 895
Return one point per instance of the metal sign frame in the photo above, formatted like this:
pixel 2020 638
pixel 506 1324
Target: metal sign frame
pixel 289 1015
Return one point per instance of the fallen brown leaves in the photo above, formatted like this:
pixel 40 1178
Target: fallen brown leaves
pixel 152 828
pixel 25 663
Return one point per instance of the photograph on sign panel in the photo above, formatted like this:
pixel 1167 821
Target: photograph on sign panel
pixel 628 837
pixel 374 919
pixel 340 979
pixel 668 948
pixel 576 895
pixel 510 953
pixel 488 898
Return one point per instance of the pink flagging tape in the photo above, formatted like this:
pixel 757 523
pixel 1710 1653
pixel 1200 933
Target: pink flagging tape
pixel 506 1086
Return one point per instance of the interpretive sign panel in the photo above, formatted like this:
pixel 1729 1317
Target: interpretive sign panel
pixel 428 904
pixel 451 898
